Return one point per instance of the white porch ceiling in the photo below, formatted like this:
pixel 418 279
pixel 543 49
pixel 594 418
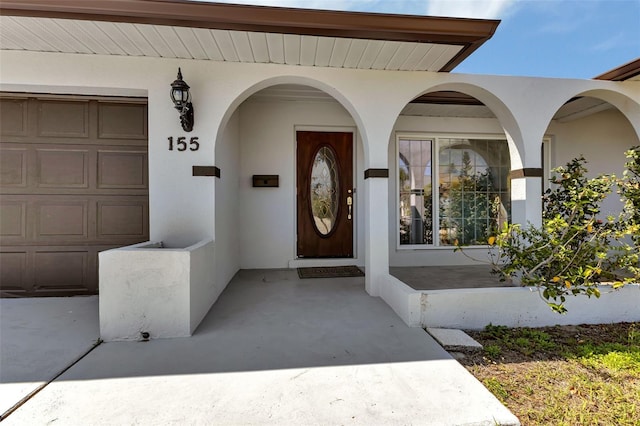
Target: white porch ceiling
pixel 131 39
pixel 579 108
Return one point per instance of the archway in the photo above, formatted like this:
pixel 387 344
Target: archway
pixel 453 149
pixel 257 220
pixel 599 125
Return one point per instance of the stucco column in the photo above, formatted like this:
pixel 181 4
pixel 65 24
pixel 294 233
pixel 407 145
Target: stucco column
pixel 376 197
pixel 525 148
pixel 376 129
pixel 526 196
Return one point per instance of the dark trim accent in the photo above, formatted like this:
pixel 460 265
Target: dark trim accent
pixel 446 97
pixel 376 173
pixel 623 72
pixel 206 171
pixel 469 33
pixel 525 173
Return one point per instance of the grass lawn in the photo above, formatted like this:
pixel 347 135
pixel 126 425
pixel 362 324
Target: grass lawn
pixel 562 375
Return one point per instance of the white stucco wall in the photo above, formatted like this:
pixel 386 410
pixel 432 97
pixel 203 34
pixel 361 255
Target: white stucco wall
pixel 227 206
pixel 602 138
pixel 204 289
pixel 267 216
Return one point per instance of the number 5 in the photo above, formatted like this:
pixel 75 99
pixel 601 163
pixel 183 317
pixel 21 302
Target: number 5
pixel 194 145
pixel 182 145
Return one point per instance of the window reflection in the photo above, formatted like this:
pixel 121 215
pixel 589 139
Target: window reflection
pixel 324 190
pixel 472 181
pixel 416 195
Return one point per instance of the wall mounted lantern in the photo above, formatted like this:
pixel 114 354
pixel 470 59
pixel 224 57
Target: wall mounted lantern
pixel 181 98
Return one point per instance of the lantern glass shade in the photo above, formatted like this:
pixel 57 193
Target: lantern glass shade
pixel 180 94
pixel 181 98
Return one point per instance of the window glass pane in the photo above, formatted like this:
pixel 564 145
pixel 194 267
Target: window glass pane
pixel 415 191
pixel 474 189
pixel 324 190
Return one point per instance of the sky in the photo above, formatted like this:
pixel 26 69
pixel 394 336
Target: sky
pixel 541 38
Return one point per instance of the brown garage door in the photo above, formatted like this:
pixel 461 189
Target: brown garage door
pixel 73 182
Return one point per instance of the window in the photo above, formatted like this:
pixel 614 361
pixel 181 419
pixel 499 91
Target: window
pixel 451 189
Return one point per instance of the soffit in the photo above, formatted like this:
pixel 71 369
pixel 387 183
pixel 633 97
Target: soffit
pixel 580 108
pixel 126 39
pixel 238 33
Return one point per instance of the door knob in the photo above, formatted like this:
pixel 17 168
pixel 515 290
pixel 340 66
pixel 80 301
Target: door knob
pixel 349 204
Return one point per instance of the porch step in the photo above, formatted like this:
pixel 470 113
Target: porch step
pixel 454 340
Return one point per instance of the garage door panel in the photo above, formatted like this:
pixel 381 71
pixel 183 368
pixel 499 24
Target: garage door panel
pixel 63 119
pixel 13 271
pixel 62 220
pixel 63 168
pixel 13 167
pixel 73 182
pixel 73 169
pixel 122 121
pixel 13 117
pixel 122 170
pixel 125 219
pixel 13 219
pixel 61 270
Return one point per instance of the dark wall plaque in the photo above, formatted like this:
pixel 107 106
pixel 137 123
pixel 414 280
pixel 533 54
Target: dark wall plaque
pixel 266 181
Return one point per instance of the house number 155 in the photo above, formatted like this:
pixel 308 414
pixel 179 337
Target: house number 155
pixel 181 143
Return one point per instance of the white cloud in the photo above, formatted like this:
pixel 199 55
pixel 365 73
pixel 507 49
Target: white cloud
pixel 487 9
pixel 309 4
pixel 609 43
pixel 484 9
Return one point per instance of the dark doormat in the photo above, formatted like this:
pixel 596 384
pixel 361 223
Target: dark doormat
pixel 330 272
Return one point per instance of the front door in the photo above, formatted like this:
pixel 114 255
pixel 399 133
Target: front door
pixel 325 199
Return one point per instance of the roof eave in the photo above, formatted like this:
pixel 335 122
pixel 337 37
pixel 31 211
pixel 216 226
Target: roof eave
pixel 470 33
pixel 623 72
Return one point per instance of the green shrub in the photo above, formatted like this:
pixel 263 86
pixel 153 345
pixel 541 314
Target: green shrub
pixel 574 250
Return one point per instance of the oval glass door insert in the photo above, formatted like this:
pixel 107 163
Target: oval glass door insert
pixel 324 190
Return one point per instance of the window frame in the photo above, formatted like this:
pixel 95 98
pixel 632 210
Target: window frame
pixel 435 165
pixel 547 161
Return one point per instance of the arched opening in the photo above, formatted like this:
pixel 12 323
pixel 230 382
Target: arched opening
pixel 272 151
pixel 452 155
pixel 596 125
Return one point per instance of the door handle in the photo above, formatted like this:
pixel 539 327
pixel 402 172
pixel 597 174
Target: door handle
pixel 349 204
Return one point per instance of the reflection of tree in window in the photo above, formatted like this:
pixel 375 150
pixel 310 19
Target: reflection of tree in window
pixel 469 190
pixel 471 177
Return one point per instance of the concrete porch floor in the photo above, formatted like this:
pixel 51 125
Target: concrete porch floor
pixel 274 350
pixel 448 277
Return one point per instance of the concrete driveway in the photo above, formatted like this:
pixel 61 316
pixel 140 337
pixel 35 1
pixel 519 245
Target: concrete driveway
pixel 39 338
pixel 274 350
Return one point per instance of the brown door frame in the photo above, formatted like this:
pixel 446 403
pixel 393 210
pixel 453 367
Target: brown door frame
pixel 353 162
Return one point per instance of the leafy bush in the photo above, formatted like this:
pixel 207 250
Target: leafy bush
pixel 574 250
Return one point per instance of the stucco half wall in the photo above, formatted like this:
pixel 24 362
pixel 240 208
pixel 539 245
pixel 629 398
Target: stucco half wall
pixel 473 309
pixel 151 291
